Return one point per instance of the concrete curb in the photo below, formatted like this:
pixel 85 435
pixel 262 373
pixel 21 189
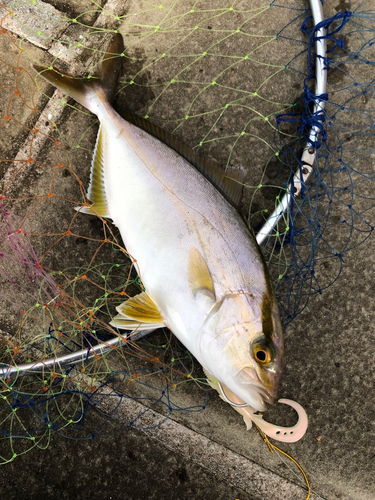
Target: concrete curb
pixel 229 466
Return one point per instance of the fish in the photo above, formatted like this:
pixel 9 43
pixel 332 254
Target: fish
pixel 203 273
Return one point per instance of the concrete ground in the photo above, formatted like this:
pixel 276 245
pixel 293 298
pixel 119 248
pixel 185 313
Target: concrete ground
pixel 329 346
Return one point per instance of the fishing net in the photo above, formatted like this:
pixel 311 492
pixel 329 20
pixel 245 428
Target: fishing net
pixel 235 81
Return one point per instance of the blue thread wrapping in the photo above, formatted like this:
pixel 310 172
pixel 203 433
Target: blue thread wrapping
pixel 315 120
pixel 325 24
pixel 300 235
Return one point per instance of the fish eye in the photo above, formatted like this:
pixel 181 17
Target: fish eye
pixel 262 354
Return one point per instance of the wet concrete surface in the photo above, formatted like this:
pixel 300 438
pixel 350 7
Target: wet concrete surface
pixel 128 465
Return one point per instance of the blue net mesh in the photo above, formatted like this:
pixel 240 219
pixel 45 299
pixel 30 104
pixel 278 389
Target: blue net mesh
pixel 333 213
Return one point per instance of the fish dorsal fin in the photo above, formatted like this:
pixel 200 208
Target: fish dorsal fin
pixel 141 309
pixel 229 182
pixel 232 185
pixel 200 279
pixel 96 192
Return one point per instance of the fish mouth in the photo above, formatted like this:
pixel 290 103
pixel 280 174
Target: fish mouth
pixel 253 391
pixel 259 396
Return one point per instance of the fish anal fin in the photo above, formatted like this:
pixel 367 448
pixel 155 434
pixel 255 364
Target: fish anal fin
pixel 140 309
pixel 96 191
pixel 199 276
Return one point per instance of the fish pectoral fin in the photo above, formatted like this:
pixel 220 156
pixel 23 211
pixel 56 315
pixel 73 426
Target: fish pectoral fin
pixel 200 279
pixel 140 309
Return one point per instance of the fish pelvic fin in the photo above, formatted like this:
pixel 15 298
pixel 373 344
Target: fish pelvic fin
pixel 102 81
pixel 139 312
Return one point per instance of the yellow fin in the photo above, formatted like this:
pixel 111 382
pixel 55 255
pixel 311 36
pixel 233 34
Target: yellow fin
pixel 103 80
pixel 96 191
pixel 199 275
pixel 123 323
pixel 140 309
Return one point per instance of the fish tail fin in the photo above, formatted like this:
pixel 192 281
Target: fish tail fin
pixel 102 82
pixel 109 69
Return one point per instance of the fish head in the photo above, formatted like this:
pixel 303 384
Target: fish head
pixel 242 346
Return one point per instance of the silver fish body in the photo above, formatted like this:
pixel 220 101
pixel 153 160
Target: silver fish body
pixel 202 270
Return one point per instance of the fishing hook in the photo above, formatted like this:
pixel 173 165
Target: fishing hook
pixel 236 405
